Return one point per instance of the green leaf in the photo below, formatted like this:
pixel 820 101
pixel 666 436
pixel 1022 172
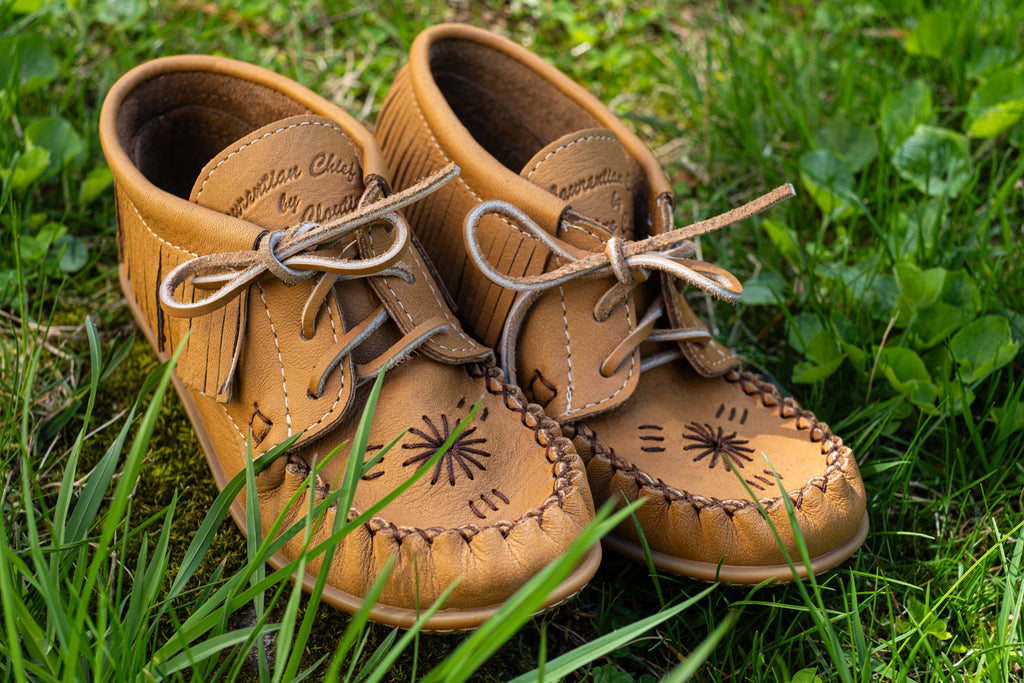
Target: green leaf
pixel 801 328
pixel 988 61
pixel 765 289
pixel 29 168
pixel 806 676
pixel 36 64
pixel 982 347
pixel 120 13
pixel 996 105
pixel 918 289
pixel 74 254
pixel 26 6
pixel 961 291
pixel 933 324
pixel 908 375
pixel 829 183
pixel 936 160
pixel 924 619
pixel 914 232
pixel 784 239
pixel 826 354
pixel 94 184
pixel 59 138
pixel 932 35
pixel 855 144
pixel 901 112
pixel 610 674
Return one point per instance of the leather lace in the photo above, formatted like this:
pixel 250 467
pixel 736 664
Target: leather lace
pixel 629 262
pixel 302 252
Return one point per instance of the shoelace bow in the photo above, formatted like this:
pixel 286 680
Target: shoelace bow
pixel 290 256
pixel 630 262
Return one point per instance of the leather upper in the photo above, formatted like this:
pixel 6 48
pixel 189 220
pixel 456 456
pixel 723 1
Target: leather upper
pixel 559 246
pixel 256 222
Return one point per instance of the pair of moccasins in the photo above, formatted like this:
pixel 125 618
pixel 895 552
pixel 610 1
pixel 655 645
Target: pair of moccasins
pixel 501 235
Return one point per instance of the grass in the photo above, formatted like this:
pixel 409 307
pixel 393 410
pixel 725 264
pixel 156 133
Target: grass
pixel 885 297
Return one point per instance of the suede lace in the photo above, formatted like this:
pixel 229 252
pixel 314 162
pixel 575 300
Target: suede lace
pixel 307 251
pixel 629 262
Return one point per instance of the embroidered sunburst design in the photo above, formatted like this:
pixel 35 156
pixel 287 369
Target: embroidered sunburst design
pixel 462 450
pixel 717 444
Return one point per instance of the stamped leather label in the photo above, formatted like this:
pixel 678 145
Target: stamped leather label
pixel 588 171
pixel 299 170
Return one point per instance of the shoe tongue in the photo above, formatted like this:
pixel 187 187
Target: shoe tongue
pixel 296 170
pixel 588 170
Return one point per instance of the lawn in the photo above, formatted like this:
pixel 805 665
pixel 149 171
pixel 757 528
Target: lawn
pixel 886 297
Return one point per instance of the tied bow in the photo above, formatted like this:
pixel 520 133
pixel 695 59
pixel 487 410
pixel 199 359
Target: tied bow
pixel 291 255
pixel 287 253
pixel 629 262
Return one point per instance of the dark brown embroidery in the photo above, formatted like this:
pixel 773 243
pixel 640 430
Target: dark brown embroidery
pixel 462 449
pixel 370 448
pixel 651 437
pixel 732 414
pixel 259 424
pixel 716 444
pixel 489 502
pixel 547 391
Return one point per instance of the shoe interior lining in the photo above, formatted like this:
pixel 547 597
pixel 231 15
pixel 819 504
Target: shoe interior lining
pixel 511 111
pixel 173 124
pixel 508 109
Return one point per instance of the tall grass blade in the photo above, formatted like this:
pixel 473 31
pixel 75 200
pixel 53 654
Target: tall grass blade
pixel 700 654
pixel 585 654
pixel 518 609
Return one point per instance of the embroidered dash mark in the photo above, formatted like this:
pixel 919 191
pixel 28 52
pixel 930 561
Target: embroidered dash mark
pixel 768 480
pixel 644 436
pixel 717 444
pixel 379 473
pixel 462 450
pixel 488 503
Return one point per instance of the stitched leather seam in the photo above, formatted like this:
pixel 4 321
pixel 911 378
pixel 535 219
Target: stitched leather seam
pixel 231 419
pixel 632 363
pixel 341 390
pixel 557 445
pixel 567 146
pixel 151 232
pixel 568 349
pixel 280 360
pixel 832 472
pixel 253 142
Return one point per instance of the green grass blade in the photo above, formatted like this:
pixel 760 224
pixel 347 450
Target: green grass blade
pixel 584 654
pixel 700 654
pixel 218 511
pixel 357 624
pixel 119 502
pixel 517 610
pixel 381 667
pixel 212 647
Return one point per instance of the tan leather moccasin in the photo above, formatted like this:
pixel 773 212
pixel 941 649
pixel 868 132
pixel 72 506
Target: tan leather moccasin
pixel 558 245
pixel 257 218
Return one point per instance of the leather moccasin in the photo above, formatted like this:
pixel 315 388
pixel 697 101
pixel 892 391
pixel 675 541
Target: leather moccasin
pixel 257 218
pixel 558 245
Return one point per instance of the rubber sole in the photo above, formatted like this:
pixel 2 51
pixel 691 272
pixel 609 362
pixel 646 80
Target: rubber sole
pixel 452 621
pixel 705 571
